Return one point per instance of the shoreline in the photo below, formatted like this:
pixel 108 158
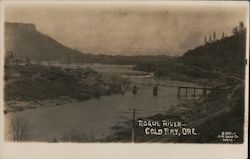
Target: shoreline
pixel 14 106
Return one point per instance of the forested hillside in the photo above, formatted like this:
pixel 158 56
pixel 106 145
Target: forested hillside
pixel 217 64
pixel 226 55
pixel 223 57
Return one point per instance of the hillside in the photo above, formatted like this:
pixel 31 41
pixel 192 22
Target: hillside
pixel 23 40
pixel 220 63
pixel 218 60
pixel 226 55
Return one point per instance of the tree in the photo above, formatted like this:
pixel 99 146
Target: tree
pixel 68 61
pixel 210 39
pixel 41 58
pixel 74 135
pixel 19 129
pixel 27 60
pixel 241 26
pixel 9 57
pixel 10 54
pixel 235 31
pixel 205 42
pixel 223 35
pixel 214 36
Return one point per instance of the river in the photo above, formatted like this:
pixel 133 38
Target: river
pixel 94 117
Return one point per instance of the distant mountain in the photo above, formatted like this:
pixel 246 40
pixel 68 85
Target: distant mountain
pixel 23 40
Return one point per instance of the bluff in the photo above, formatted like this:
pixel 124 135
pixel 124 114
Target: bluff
pixel 25 41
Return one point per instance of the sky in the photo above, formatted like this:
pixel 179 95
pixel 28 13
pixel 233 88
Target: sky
pixel 128 29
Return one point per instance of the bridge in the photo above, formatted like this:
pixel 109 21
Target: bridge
pixel 186 88
pixel 204 90
pixel 155 83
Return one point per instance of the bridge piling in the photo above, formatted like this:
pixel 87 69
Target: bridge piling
pixel 179 92
pixel 186 93
pixel 155 91
pixel 157 83
pixel 204 92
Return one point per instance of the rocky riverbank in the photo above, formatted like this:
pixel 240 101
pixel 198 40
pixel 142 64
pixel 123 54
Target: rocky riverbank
pixel 34 86
pixel 18 106
pixel 205 119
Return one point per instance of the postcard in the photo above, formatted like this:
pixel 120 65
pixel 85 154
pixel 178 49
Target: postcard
pixel 134 74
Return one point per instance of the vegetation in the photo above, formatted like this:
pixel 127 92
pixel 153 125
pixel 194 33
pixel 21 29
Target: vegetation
pixel 74 135
pixel 223 57
pixel 226 55
pixel 36 83
pixel 217 63
pixel 219 111
pixel 19 130
pixel 222 63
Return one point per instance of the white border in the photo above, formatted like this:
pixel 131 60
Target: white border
pixel 108 151
pixel 1 75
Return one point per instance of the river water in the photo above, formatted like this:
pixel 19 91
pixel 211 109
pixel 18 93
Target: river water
pixel 95 116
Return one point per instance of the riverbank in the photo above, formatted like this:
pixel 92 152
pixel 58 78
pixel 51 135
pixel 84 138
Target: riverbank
pixel 180 72
pixel 208 117
pixel 34 86
pixel 19 106
pixel 219 112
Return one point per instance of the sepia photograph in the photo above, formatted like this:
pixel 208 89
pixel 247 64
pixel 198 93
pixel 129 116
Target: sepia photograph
pixel 125 73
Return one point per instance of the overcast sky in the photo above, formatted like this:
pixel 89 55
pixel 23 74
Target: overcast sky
pixel 128 29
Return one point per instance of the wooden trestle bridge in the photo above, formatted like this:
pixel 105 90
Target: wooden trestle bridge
pixel 156 83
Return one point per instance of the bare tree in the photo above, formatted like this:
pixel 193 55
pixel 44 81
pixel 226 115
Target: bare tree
pixel 20 129
pixel 73 135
